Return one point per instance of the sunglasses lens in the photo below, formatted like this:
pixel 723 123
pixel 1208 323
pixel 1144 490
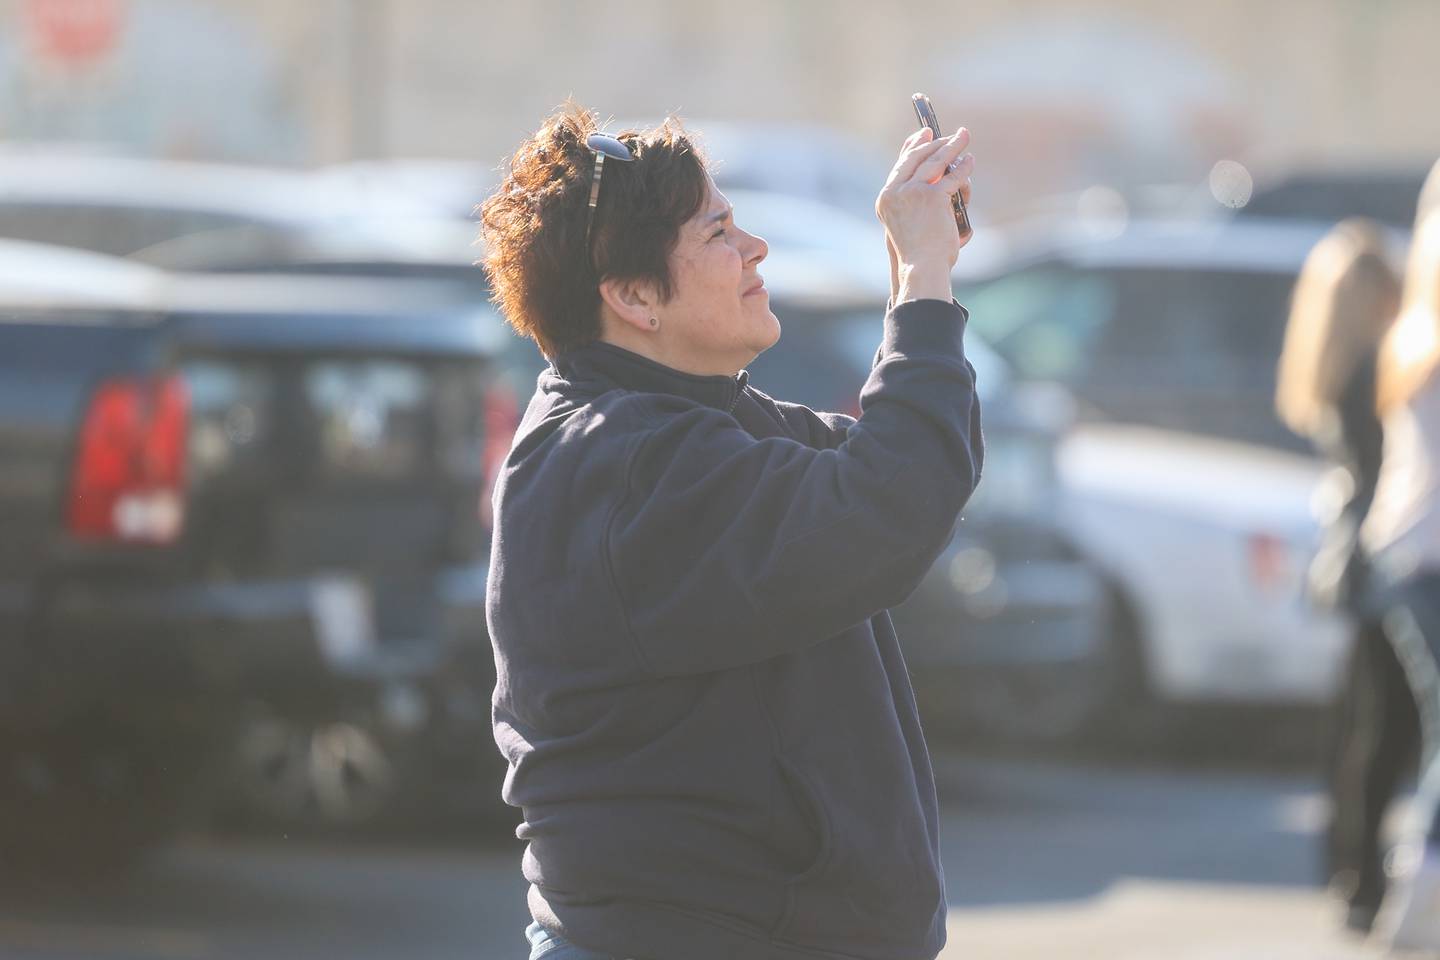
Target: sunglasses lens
pixel 609 146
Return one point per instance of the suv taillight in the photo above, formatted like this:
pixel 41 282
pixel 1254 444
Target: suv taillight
pixel 129 479
pixel 502 417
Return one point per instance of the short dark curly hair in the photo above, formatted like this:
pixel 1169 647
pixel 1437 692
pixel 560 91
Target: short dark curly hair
pixel 544 280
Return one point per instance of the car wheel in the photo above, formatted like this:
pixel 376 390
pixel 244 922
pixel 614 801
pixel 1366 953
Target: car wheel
pixel 92 797
pixel 294 773
pixel 1061 703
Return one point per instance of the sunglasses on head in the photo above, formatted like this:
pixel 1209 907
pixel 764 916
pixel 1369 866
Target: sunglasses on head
pixel 603 146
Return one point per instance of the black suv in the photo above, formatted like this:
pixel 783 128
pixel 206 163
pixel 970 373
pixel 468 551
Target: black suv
pixel 225 496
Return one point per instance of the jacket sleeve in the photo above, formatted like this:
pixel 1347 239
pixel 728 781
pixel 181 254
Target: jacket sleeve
pixel 823 431
pixel 726 550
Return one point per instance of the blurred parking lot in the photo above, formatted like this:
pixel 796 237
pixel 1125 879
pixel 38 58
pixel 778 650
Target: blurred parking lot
pixel 254 395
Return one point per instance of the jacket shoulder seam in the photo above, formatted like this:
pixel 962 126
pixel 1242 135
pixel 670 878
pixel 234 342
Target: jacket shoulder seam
pixel 607 551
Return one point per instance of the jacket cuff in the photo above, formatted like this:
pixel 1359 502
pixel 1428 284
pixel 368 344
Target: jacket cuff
pixel 924 326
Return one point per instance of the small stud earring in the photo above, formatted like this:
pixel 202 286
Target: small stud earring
pixel 654 322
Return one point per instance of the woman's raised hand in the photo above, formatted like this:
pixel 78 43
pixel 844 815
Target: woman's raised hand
pixel 918 215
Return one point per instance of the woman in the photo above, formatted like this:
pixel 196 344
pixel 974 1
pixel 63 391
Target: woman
pixel 1402 534
pixel 709 725
pixel 1345 299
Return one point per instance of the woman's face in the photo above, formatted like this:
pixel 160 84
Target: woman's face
pixel 719 318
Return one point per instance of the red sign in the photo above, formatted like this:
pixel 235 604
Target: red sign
pixel 74 32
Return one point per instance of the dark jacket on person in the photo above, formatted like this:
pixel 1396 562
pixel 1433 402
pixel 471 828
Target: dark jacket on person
pixel 1377 727
pixel 710 728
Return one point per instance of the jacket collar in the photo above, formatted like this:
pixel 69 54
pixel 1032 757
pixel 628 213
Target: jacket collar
pixel 606 362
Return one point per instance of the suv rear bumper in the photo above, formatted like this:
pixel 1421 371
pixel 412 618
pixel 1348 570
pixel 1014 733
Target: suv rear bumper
pixel 272 639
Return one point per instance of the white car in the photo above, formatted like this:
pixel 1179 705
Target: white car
pixel 1178 480
pixel 1207 542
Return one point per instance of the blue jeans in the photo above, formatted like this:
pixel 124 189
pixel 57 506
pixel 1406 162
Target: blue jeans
pixel 544 944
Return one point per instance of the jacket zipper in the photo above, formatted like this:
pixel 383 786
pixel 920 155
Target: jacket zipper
pixel 741 379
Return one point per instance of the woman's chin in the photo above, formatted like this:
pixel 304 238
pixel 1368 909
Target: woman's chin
pixel 773 334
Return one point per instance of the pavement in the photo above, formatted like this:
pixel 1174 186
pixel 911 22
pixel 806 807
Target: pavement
pixel 1042 859
pixel 1055 860
pixel 1135 920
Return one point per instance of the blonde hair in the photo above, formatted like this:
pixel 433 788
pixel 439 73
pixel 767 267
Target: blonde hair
pixel 1429 195
pixel 1345 299
pixel 1411 352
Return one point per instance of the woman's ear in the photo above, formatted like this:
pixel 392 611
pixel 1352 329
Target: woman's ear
pixel 632 302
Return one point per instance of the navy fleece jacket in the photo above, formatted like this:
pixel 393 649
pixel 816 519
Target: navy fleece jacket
pixel 709 725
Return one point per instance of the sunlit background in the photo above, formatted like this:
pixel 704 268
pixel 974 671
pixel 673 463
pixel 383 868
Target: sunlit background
pixel 244 684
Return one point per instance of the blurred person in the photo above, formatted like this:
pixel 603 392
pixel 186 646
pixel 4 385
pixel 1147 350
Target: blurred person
pixel 709 724
pixel 1346 298
pixel 1402 535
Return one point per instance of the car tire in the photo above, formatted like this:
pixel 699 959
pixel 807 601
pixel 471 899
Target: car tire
pixel 376 766
pixel 287 773
pixel 1053 704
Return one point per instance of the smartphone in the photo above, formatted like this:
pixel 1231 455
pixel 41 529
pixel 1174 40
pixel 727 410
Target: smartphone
pixel 926 114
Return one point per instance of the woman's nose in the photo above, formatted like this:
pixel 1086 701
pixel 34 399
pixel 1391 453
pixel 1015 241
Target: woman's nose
pixel 759 249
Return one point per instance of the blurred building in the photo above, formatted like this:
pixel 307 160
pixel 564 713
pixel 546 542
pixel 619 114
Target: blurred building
pixel 1062 94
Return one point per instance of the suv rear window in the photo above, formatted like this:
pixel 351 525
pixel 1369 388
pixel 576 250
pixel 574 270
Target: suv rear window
pixel 118 230
pixel 1188 350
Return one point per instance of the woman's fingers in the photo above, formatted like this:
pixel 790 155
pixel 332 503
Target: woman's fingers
pixel 924 133
pixel 906 162
pixel 958 177
pixel 917 149
pixel 933 166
